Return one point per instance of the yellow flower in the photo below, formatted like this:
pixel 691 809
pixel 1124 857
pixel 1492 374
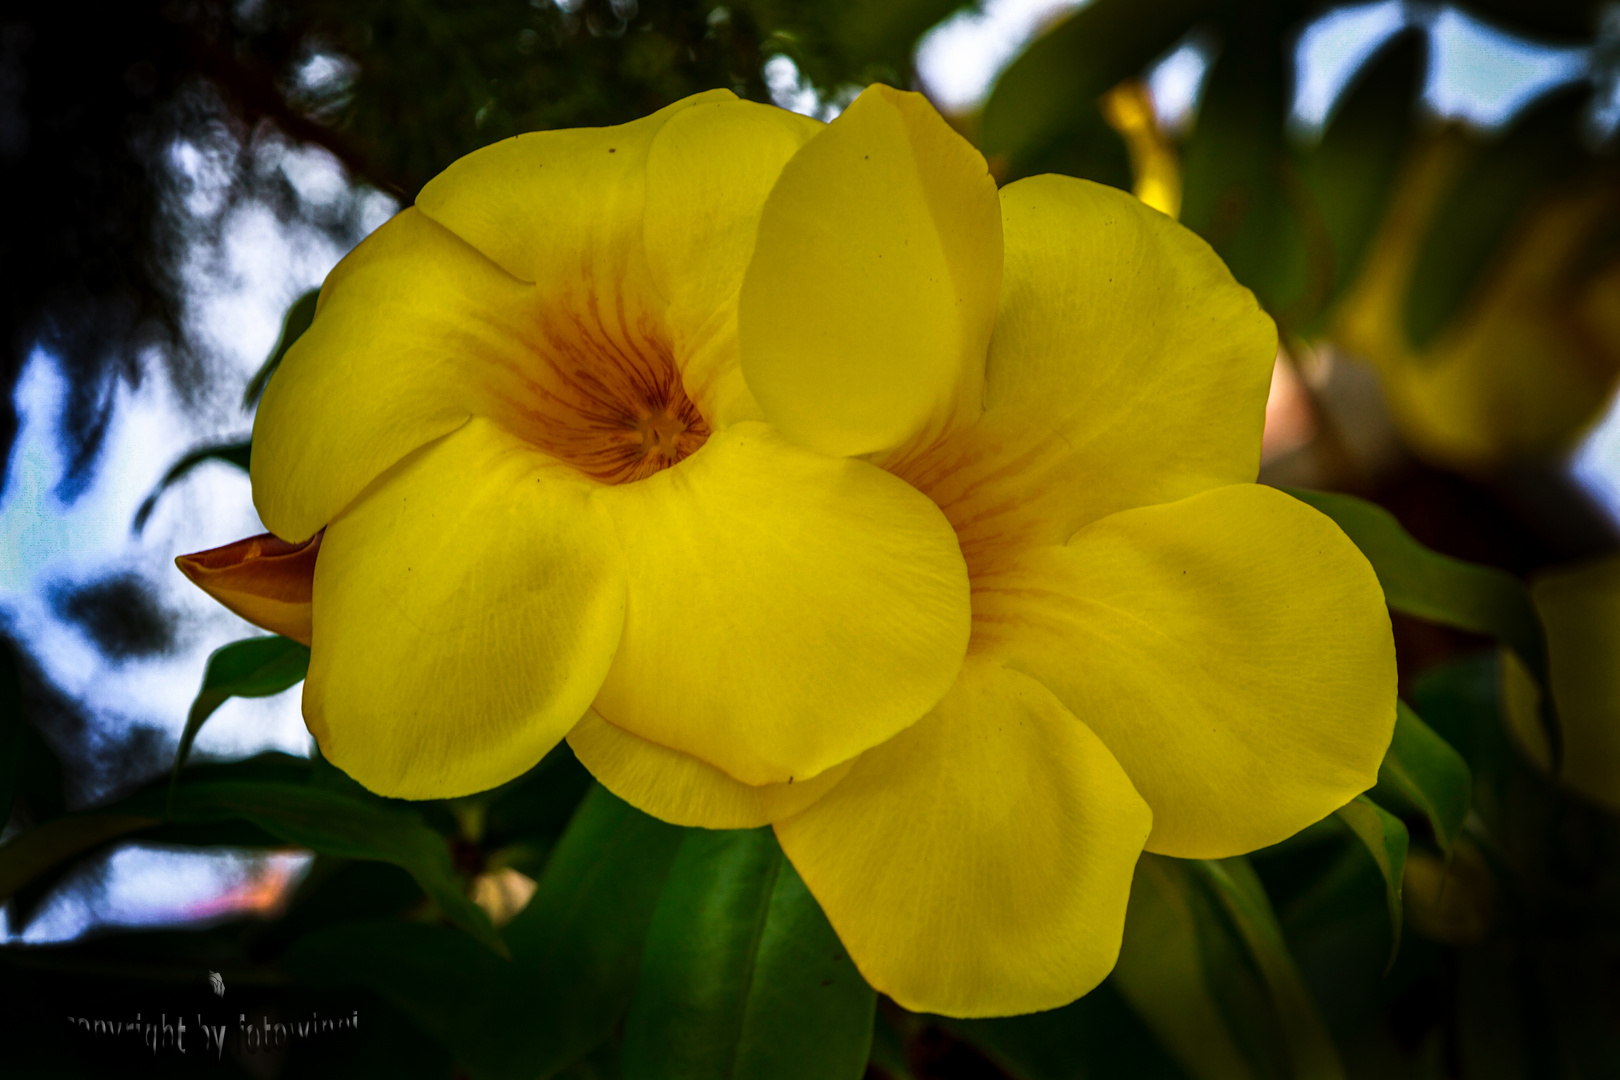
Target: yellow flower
pixel 838 492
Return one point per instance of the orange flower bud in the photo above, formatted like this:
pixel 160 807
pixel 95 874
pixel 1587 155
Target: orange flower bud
pixel 263 578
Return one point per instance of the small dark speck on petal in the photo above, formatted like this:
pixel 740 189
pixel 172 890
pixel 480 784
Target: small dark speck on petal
pixel 613 150
pixel 790 779
pixel 866 157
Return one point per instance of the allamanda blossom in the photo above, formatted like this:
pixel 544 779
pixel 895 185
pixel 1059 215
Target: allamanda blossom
pixel 797 476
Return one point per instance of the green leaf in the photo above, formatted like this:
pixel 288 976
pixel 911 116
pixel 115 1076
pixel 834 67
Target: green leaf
pixel 1161 973
pixel 888 1057
pixel 1384 837
pixel 1043 113
pixel 330 823
pixel 743 978
pixel 1540 150
pixel 13 726
pixel 1097 1036
pixel 231 453
pixel 1310 1050
pixel 1428 585
pixel 579 942
pixel 30 773
pixel 39 850
pixel 458 992
pixel 575 948
pixel 1238 191
pixel 254 667
pixel 1351 172
pixel 1435 587
pixel 299 315
pixel 1423 771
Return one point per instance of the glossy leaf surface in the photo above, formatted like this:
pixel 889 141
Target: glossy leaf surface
pixel 743 978
pixel 1436 587
pixel 1310 1052
pixel 1385 838
pixel 1424 771
pixel 254 667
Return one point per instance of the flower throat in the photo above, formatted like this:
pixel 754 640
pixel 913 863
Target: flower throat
pixel 608 400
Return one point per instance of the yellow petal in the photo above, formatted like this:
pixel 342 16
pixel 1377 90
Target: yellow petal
pixel 979 863
pixel 682 790
pixel 266 581
pixel 786 610
pixel 566 210
pixel 1127 369
pixel 708 173
pixel 466 611
pixel 1232 650
pixel 415 332
pixel 1580 607
pixel 868 306
pixel 541 203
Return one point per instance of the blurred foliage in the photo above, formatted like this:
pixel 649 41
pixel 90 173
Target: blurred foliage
pixel 1460 920
pixel 1478 271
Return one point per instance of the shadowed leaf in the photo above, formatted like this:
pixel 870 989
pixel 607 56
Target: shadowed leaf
pixel 299 315
pixel 254 667
pixel 1310 1050
pixel 1384 837
pixel 1422 770
pixel 232 453
pixel 743 978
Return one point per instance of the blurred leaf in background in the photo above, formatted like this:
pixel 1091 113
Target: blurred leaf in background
pixel 1476 270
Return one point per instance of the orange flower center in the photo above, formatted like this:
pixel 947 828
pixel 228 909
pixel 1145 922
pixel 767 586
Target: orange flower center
pixel 608 400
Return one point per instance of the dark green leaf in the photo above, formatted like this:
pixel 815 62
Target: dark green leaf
pixel 254 667
pixel 1238 191
pixel 231 453
pixel 743 978
pixel 13 726
pixel 889 1051
pixel 41 849
pixel 1540 150
pixel 389 1044
pixel 456 991
pixel 1422 770
pixel 299 315
pixel 578 943
pixel 39 777
pixel 1162 973
pixel 1311 1053
pixel 331 823
pixel 1567 19
pixel 882 34
pixel 1351 172
pixel 1043 113
pixel 1436 587
pixel 535 808
pixel 1384 837
pixel 575 948
pixel 45 850
pixel 1097 1036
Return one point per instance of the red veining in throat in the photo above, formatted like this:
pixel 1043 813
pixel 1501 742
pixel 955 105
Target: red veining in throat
pixel 605 396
